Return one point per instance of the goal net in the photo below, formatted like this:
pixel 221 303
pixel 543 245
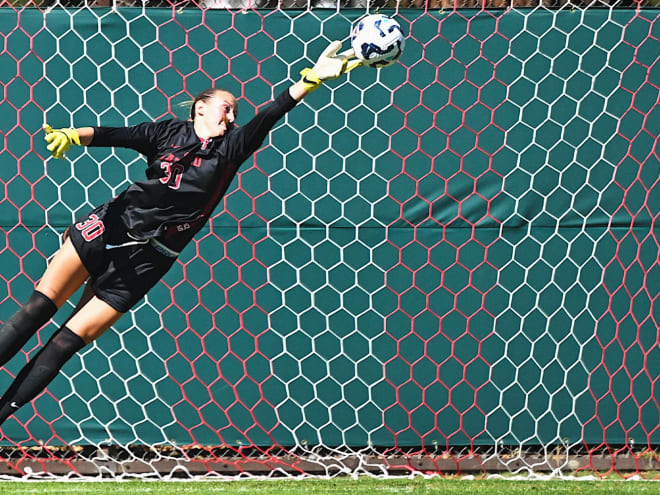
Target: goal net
pixel 447 265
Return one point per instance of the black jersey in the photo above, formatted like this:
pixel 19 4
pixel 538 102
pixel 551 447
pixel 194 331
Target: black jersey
pixel 186 176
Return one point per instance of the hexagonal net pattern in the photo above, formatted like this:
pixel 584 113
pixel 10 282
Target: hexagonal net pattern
pixel 450 264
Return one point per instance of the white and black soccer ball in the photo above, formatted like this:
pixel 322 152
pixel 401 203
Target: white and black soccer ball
pixel 377 40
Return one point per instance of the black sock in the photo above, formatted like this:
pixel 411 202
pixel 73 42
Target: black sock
pixel 18 329
pixel 40 371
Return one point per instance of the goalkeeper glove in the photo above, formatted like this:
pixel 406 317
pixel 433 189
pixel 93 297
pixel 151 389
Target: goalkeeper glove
pixel 59 140
pixel 330 65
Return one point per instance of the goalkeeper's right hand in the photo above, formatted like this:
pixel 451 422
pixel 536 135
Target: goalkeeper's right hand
pixel 59 140
pixel 330 65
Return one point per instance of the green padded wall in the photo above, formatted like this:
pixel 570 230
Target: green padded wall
pixel 457 250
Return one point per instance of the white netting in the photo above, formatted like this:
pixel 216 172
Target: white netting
pixel 450 264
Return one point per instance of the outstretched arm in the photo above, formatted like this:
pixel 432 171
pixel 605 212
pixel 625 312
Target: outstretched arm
pixel 330 65
pixel 139 137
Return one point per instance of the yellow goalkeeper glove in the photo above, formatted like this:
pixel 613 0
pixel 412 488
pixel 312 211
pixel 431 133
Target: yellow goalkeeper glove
pixel 59 140
pixel 330 65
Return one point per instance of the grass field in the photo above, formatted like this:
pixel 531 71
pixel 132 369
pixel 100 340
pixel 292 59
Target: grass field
pixel 363 485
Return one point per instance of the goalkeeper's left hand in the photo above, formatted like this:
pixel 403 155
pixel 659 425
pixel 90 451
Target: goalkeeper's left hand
pixel 59 140
pixel 330 65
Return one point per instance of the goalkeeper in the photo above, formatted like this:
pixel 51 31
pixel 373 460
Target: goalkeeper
pixel 125 246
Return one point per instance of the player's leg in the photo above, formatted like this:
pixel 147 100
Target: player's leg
pixel 87 324
pixel 86 295
pixel 93 319
pixel 128 274
pixel 64 275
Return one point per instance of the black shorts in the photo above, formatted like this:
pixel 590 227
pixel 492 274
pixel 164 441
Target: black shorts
pixel 122 269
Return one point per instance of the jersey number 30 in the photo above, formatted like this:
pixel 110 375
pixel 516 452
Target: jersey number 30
pixel 173 173
pixel 91 228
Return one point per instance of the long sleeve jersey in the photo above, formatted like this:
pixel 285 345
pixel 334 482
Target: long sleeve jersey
pixel 186 176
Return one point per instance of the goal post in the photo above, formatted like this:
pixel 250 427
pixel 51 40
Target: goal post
pixel 450 264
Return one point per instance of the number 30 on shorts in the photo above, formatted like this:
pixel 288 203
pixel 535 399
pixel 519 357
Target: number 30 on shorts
pixel 91 228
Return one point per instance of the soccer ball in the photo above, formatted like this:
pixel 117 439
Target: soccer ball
pixel 377 40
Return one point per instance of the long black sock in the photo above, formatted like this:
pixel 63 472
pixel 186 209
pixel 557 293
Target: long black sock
pixel 18 329
pixel 40 371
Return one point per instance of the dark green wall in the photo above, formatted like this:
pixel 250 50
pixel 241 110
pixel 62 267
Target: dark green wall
pixel 464 253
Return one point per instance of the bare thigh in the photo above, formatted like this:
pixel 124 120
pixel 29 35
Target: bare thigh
pixel 92 319
pixel 63 277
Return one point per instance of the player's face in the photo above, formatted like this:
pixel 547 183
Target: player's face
pixel 217 113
